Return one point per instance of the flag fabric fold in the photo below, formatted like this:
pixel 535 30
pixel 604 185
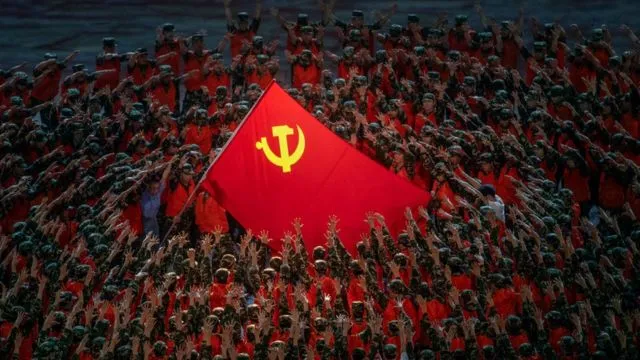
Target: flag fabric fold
pixel 282 164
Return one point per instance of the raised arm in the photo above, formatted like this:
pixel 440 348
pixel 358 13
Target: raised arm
pixel 184 46
pixel 43 64
pixel 496 32
pixel 16 68
pixel 483 17
pixel 388 14
pixel 223 42
pixel 607 34
pixel 227 12
pixel 520 22
pixel 333 57
pixel 276 14
pixel 258 9
pixel 151 80
pixel 36 109
pixel 99 73
pixel 7 84
pixel 163 58
pixel 159 35
pixel 327 11
pixel 188 75
pixel 133 59
pixel 166 173
pixel 632 36
pixel 70 57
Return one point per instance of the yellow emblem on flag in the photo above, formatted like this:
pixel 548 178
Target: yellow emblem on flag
pixel 286 159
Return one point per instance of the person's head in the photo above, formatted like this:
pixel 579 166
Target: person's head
pixel 397 288
pixel 506 116
pixel 154 187
pixel 428 102
pixel 495 67
pixel 505 29
pixel 440 172
pixel 347 54
pixel 197 43
pixel 557 94
pixel 486 162
pixel 413 22
pixel 221 94
pixel 469 85
pixel 381 56
pixel 486 41
pixel 109 45
pixel 186 174
pixel 597 36
pixel 393 109
pixel 456 153
pixel 217 62
pixel 540 50
pixel 201 117
pixel 168 31
pixel 143 55
pixel 357 18
pixel 435 37
pixel 390 351
pixel 140 146
pixel 166 74
pixel 243 20
pixel 302 19
pixel 433 79
pixel 320 267
pixel 306 56
pixel 395 31
pixel 551 64
pixel 462 22
pixel 306 33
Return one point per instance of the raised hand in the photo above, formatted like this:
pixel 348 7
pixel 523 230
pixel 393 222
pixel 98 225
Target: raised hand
pixel 264 237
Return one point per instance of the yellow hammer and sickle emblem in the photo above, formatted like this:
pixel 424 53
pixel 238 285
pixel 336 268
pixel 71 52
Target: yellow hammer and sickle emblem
pixel 285 160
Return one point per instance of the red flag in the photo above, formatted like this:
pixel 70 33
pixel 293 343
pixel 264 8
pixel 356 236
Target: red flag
pixel 282 163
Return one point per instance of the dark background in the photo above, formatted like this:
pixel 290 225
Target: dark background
pixel 28 29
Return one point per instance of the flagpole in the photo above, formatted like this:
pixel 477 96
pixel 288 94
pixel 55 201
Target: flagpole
pixel 224 147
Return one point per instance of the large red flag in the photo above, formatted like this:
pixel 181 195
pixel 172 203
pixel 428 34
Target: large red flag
pixel 282 163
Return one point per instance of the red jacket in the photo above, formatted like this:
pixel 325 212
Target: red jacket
pixel 210 214
pixel 309 74
pixel 177 198
pixel 612 193
pixel 507 302
pixel 577 183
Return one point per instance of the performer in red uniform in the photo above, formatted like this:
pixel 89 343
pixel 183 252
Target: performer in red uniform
pixel 241 31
